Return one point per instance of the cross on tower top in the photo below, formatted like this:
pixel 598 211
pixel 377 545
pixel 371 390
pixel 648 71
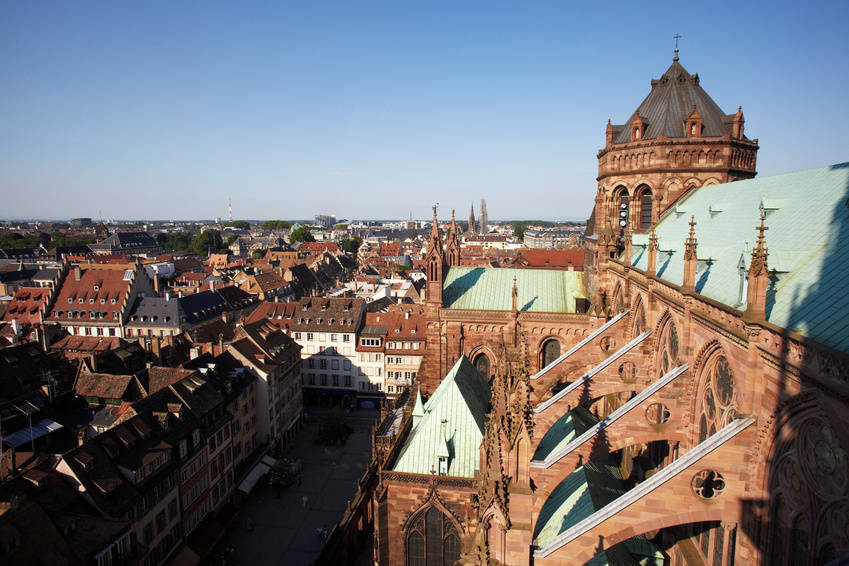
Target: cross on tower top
pixel 676 37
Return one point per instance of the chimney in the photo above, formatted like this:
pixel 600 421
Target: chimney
pixel 167 296
pixel 212 285
pixel 155 283
pixel 93 359
pixel 77 273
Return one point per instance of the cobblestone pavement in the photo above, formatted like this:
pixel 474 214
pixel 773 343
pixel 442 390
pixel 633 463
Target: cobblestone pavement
pixel 284 529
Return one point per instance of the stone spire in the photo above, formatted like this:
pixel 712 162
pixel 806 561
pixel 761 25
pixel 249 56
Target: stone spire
pixel 435 263
pixel 651 270
pixel 452 244
pixel 758 279
pixel 689 285
pixel 628 247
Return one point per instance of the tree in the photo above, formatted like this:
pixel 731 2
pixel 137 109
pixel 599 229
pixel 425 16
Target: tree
pixel 239 224
pixel 519 229
pixel 174 241
pixel 415 233
pixel 352 245
pixel 230 239
pixel 206 242
pixel 258 254
pixel 301 234
pixel 276 225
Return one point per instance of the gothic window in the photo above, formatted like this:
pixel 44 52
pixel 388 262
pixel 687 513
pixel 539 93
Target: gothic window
pixel 645 209
pixel 669 348
pixel 550 352
pixel 482 365
pixel 639 320
pixel 718 401
pixel 432 540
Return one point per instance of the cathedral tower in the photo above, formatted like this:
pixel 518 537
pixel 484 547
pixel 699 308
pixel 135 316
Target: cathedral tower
pixel 677 139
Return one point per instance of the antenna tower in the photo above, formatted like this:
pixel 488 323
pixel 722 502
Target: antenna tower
pixel 231 210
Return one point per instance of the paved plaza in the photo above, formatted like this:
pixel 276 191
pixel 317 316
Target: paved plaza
pixel 284 530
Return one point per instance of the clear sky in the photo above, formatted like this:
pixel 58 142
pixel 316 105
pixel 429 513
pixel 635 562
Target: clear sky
pixel 161 110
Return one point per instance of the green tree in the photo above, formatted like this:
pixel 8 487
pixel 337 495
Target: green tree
pixel 276 225
pixel 239 224
pixel 352 245
pixel 301 234
pixel 206 242
pixel 230 239
pixel 174 241
pixel 519 229
pixel 258 254
pixel 415 233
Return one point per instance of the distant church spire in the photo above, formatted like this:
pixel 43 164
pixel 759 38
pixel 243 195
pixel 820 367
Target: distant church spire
pixel 676 37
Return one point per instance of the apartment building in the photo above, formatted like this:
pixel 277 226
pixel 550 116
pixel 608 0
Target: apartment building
pixel 327 329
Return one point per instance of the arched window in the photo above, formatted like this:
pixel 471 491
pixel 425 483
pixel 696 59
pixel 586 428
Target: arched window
pixel 482 365
pixel 718 399
pixel 669 348
pixel 550 352
pixel 645 209
pixel 433 540
pixel 639 324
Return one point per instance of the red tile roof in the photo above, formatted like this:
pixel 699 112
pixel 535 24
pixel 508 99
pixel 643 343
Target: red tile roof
pixel 26 305
pixel 98 295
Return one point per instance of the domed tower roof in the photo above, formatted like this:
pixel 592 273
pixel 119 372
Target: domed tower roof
pixel 673 98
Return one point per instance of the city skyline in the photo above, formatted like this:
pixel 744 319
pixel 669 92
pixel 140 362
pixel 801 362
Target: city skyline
pixel 168 110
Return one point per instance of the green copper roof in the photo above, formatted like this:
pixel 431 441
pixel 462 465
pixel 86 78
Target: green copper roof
pixel 565 430
pixel 491 289
pixel 452 425
pixel 584 491
pixel 808 221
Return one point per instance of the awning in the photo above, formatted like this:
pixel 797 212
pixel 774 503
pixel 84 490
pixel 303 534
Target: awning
pixel 250 481
pixel 269 461
pixel 348 392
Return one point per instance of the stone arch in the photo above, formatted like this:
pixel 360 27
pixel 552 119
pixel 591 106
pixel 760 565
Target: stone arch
pixel 668 347
pixel 716 401
pixel 644 202
pixel 639 320
pixel 483 359
pixel 617 305
pixel 802 465
pixel 494 532
pixel 549 350
pixel 710 182
pixel 431 516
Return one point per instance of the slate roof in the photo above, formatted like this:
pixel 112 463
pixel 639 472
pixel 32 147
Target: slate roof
pixel 670 101
pixel 317 314
pixel 454 421
pixel 808 221
pixel 158 312
pixel 479 288
pixel 127 241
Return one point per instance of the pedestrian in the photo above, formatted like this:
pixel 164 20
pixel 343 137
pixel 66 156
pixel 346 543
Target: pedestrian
pixel 324 532
pixel 299 479
pixel 304 499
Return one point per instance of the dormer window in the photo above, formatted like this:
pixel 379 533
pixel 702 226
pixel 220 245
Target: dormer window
pixel 693 124
pixel 113 301
pixel 91 301
pixel 443 465
pixel 82 300
pixel 196 437
pixel 638 128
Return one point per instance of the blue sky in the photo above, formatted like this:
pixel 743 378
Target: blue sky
pixel 159 110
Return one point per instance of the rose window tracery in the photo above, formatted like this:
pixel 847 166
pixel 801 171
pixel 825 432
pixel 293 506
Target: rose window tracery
pixel 669 348
pixel 718 400
pixel 824 459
